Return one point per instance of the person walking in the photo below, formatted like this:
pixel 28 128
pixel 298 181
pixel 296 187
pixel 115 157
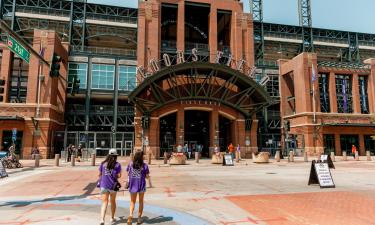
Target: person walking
pixel 109 173
pixel 354 149
pixel 69 151
pixel 137 173
pixel 239 151
pixel 231 150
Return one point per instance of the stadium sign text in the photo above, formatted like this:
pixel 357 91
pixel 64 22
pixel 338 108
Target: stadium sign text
pixel 155 65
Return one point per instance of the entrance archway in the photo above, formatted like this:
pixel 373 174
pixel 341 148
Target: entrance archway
pixel 167 133
pixel 225 134
pixel 197 131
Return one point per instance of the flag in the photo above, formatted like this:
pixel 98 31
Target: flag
pixel 345 98
pixel 41 51
pixel 313 74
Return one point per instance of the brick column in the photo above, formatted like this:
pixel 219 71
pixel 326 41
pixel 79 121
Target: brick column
pixel 214 129
pixel 180 123
pixel 249 41
pixel 254 136
pixel 332 92
pixel 337 145
pixel 355 94
pixel 181 26
pixel 361 150
pixel 213 32
pixel 236 37
pixel 6 69
pixel 154 137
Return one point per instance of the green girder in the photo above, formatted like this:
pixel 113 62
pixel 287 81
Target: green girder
pixel 218 83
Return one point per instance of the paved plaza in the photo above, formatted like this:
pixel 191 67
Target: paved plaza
pixel 247 193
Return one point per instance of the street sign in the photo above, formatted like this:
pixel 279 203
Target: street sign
pixel 18 49
pixel 14 134
pixel 320 174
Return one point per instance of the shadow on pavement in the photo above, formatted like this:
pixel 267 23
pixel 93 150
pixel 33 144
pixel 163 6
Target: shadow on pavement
pixel 146 220
pixel 88 190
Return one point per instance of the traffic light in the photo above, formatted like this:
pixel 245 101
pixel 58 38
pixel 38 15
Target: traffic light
pixel 75 86
pixel 55 65
pixel 2 83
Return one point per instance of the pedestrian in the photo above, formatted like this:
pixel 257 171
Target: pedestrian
pixel 231 150
pixel 216 150
pixel 34 152
pixel 239 151
pixel 109 173
pixel 189 151
pixel 185 149
pixel 137 173
pixel 79 152
pixel 69 151
pixel 354 149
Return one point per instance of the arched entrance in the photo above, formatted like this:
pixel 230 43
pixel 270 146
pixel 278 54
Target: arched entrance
pixel 212 100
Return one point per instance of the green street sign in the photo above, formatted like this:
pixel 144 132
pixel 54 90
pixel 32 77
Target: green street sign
pixel 18 49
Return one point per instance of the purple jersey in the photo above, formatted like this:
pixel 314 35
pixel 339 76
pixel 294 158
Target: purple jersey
pixel 109 177
pixel 137 178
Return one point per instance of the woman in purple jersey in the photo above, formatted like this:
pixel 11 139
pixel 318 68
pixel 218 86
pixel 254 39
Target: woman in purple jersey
pixel 137 173
pixel 109 172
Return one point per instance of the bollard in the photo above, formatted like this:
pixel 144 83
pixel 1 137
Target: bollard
pixel 57 159
pixel 291 156
pixel 253 156
pixel 305 158
pixel 368 154
pixel 344 157
pixel 333 157
pixel 277 156
pixel 149 158
pixel 93 158
pixel 197 157
pixel 73 160
pixel 165 158
pixel 356 156
pixel 37 158
pixel 237 157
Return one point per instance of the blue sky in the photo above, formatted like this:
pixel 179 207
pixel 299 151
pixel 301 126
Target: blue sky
pixel 348 15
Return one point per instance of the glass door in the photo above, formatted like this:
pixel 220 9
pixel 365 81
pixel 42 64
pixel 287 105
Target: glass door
pixel 128 147
pixel 119 147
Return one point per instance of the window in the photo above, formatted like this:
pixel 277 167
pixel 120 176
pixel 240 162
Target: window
pixel 18 81
pixel 78 70
pixel 103 76
pixel 363 97
pixel 324 93
pixel 127 78
pixel 344 94
pixel 329 143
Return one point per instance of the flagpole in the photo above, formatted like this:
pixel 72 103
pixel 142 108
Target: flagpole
pixel 313 91
pixel 39 82
pixel 314 110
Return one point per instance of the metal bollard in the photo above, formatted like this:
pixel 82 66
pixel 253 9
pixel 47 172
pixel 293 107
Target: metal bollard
pixel 277 156
pixel 149 158
pixel 368 154
pixel 57 159
pixel 73 160
pixel 305 158
pixel 291 156
pixel 197 157
pixel 344 157
pixel 165 157
pixel 356 156
pixel 37 158
pixel 333 157
pixel 237 157
pixel 93 158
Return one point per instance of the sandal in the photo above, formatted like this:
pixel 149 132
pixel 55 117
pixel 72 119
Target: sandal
pixel 139 220
pixel 130 220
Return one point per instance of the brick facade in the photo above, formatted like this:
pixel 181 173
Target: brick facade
pixel 52 97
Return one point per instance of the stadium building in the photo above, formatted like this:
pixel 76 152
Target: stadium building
pixel 199 72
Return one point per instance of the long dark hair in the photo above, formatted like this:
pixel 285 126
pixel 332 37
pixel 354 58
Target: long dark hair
pixel 138 160
pixel 111 161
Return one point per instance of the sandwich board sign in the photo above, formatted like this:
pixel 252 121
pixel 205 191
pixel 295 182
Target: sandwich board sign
pixel 327 159
pixel 227 160
pixel 320 174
